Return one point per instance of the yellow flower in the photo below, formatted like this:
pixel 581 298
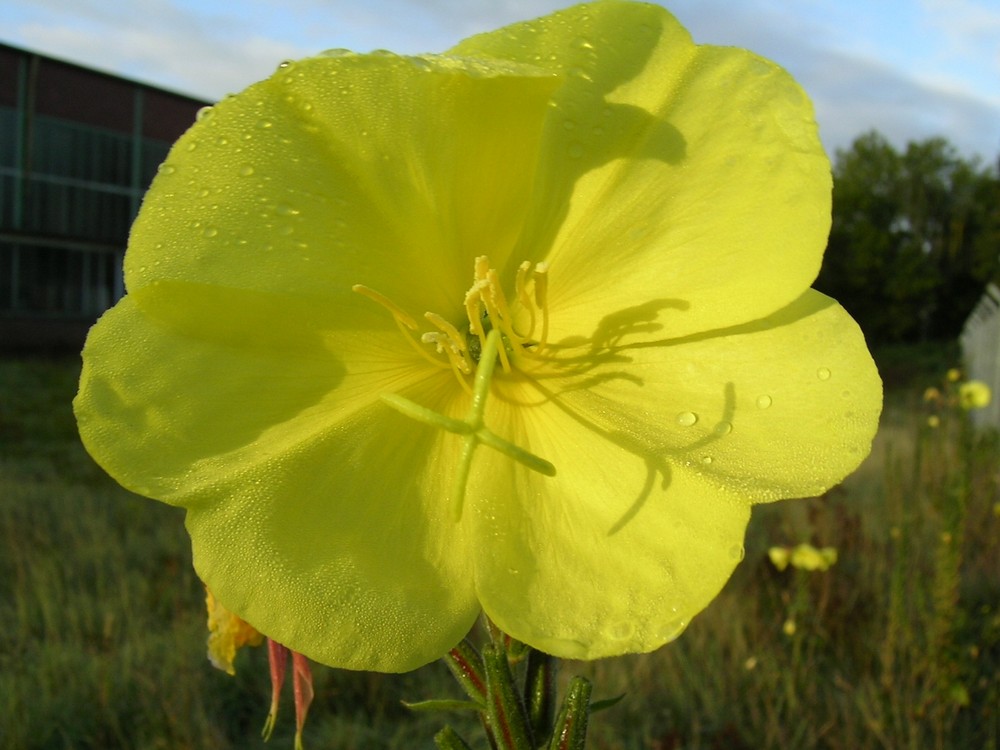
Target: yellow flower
pixel 780 557
pixel 803 557
pixel 932 394
pixel 637 221
pixel 934 421
pixel 974 394
pixel 953 375
pixel 789 627
pixel 227 634
pixel 807 557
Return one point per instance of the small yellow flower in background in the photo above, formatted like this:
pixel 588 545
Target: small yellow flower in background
pixel 789 627
pixel 750 664
pixel 932 394
pixel 780 556
pixel 227 634
pixel 953 375
pixel 326 263
pixel 803 557
pixel 974 394
pixel 934 421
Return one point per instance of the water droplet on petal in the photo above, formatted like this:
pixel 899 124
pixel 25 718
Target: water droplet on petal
pixel 823 373
pixel 576 151
pixel 737 552
pixel 246 170
pixel 622 630
pixel 706 460
pixel 166 168
pixel 723 428
pixel 687 418
pixel 210 231
pixel 763 401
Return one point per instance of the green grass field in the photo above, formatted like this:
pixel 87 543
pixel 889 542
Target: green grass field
pixel 102 623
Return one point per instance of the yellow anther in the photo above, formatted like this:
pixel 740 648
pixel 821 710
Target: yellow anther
pixel 456 339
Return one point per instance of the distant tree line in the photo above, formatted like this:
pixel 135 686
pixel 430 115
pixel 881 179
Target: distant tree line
pixel 915 237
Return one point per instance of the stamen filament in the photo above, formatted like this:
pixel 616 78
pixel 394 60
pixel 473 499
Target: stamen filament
pixel 404 322
pixel 521 290
pixel 542 299
pixel 397 312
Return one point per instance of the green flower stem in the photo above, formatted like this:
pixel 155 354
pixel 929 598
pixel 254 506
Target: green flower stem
pixel 505 712
pixel 466 665
pixel 512 688
pixel 571 725
pixel 540 692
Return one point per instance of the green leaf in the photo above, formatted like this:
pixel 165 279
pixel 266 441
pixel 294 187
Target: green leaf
pixel 448 739
pixel 443 705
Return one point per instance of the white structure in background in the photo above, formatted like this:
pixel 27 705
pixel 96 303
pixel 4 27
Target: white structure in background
pixel 981 348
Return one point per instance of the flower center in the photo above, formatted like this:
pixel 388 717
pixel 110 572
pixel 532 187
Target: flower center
pixel 487 309
pixel 493 335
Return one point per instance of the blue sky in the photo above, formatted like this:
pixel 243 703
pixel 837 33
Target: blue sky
pixel 910 68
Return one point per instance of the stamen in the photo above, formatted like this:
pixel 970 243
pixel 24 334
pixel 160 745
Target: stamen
pixel 388 304
pixel 541 278
pixel 521 290
pixel 453 336
pixel 404 322
pixel 450 343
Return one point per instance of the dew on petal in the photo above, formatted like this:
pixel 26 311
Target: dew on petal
pixel 763 401
pixel 823 373
pixel 246 170
pixel 687 418
pixel 622 630
pixel 723 428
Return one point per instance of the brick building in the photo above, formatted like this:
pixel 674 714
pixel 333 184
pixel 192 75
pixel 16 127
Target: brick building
pixel 78 148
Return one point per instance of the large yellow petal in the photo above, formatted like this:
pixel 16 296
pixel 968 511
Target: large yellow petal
pixel 317 514
pixel 615 554
pixel 341 169
pixel 180 381
pixel 783 407
pixel 691 179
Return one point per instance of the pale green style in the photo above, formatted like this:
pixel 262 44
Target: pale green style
pixel 636 218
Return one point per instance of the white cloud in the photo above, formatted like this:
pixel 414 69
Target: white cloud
pixel 207 49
